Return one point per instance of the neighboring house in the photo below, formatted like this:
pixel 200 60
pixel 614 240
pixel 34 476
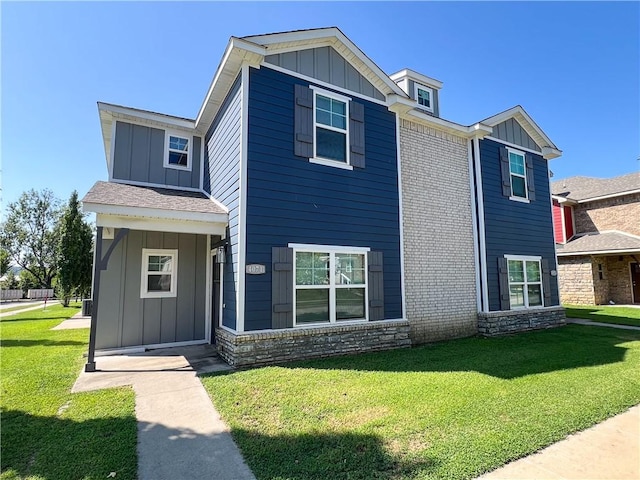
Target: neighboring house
pixel 317 206
pixel 597 231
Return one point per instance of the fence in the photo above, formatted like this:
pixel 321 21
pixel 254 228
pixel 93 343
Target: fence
pixel 40 293
pixel 10 294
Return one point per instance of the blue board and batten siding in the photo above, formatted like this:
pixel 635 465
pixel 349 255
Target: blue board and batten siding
pixel 511 227
pixel 222 181
pixel 290 200
pixel 139 156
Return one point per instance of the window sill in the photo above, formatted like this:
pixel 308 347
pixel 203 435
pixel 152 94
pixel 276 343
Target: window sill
pixel 159 295
pixel 520 199
pixel 178 167
pixel 331 163
pixel 331 324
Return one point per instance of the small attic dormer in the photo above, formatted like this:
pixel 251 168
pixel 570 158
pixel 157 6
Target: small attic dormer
pixel 425 91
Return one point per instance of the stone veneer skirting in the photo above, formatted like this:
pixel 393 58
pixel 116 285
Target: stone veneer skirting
pixel 513 321
pixel 268 347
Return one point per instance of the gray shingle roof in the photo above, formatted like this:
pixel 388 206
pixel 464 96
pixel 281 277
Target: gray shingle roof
pixel 583 188
pixel 118 194
pixel 600 242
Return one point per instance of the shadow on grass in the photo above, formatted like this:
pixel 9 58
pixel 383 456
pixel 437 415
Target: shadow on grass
pixel 597 315
pixel 56 448
pixel 506 357
pixel 322 456
pixel 39 343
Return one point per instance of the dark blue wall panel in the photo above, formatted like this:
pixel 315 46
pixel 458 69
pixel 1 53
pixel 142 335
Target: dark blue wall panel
pixel 512 227
pixel 290 200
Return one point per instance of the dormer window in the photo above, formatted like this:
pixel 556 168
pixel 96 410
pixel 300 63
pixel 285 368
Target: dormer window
pixel 424 97
pixel 177 152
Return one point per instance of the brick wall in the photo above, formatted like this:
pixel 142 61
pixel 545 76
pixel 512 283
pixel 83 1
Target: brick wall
pixel 620 213
pixel 438 237
pixel 277 346
pixel 575 280
pixel 619 274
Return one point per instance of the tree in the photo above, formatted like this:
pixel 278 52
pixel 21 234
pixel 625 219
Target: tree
pixel 28 234
pixel 5 262
pixel 74 259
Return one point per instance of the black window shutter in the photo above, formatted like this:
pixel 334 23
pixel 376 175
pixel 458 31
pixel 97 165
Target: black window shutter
pixel 546 282
pixel 303 122
pixel 376 286
pixel 356 134
pixel 531 184
pixel 505 173
pixel 282 287
pixel 503 280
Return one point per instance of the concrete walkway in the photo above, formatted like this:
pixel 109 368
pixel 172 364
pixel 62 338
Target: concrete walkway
pixel 27 307
pixel 180 433
pixel 77 321
pixel 581 321
pixel 607 451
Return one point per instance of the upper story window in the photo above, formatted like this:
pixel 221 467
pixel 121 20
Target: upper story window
pixel 330 285
pixel 525 282
pixel 424 97
pixel 517 171
pixel 331 126
pixel 159 273
pixel 177 152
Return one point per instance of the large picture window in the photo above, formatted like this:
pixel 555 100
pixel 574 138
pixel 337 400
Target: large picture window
pixel 159 273
pixel 525 282
pixel 330 285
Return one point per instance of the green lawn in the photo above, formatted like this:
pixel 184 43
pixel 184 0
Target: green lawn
pixel 18 307
pixel 47 432
pixel 605 314
pixel 451 410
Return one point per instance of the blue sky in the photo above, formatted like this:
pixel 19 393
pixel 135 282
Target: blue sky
pixel 575 67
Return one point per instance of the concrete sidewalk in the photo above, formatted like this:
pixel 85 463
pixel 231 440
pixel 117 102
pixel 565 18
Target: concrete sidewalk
pixel 581 321
pixel 180 433
pixel 607 451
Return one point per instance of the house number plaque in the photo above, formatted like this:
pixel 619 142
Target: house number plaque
pixel 255 269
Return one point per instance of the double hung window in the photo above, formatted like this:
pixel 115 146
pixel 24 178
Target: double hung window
pixel 330 285
pixel 331 126
pixel 159 273
pixel 177 151
pixel 518 173
pixel 525 282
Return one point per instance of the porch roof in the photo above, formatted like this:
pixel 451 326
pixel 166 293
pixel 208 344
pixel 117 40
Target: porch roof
pixel 599 243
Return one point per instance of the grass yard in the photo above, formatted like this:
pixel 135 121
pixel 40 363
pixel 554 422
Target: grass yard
pixel 48 432
pixel 451 410
pixel 19 307
pixel 605 314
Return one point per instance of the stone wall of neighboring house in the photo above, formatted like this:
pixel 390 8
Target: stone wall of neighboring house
pixel 619 273
pixel 575 279
pixel 438 234
pixel 514 321
pixel 595 280
pixel 619 213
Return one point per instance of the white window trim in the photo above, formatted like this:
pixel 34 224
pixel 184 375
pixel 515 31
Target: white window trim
pixel 146 253
pixel 417 86
pixel 526 258
pixel 327 161
pixel 524 199
pixel 167 150
pixel 332 287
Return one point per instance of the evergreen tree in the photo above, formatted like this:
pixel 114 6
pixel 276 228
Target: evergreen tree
pixel 74 257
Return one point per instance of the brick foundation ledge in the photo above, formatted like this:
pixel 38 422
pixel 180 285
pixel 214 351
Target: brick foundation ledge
pixel 277 346
pixel 513 321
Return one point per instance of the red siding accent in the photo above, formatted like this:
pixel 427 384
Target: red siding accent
pixel 557 222
pixel 568 221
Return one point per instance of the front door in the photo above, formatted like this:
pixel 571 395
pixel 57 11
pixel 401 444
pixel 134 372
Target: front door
pixel 635 281
pixel 215 299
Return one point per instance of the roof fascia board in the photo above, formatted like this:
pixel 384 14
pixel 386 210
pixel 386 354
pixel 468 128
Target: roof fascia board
pixel 530 124
pixel 141 212
pixel 563 200
pixel 597 252
pixel 611 195
pixel 420 78
pixel 146 115
pixel 160 225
